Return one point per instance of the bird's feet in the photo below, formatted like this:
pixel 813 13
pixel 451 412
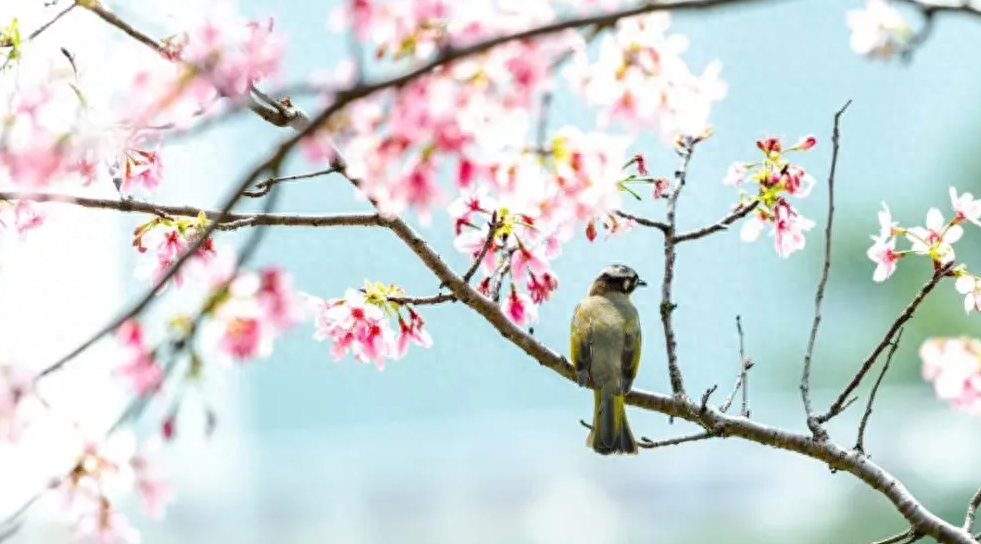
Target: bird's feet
pixel 582 377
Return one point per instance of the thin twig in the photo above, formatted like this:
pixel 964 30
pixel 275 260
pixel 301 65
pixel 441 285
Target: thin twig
pixel 37 32
pixel 659 225
pixel 262 188
pixel 722 224
pixel 805 380
pixel 843 398
pixel 860 441
pixel 423 301
pixel 742 380
pixel 647 443
pixel 226 221
pixel 685 148
pixel 906 537
pixel 492 227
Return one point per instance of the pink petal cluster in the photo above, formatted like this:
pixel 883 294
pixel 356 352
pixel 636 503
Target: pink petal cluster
pixel 22 216
pixel 103 472
pixel 776 179
pixel 468 117
pixel 641 79
pixel 934 240
pixel 15 384
pixel 139 366
pixel 953 365
pixel 256 309
pixel 227 52
pixel 164 241
pixel 359 324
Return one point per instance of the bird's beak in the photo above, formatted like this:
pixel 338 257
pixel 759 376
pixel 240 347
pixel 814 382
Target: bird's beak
pixel 641 283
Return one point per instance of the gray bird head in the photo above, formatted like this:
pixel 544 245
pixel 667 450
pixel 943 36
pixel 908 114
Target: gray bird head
pixel 616 278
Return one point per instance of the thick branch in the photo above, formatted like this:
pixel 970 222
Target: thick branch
pixel 805 380
pixel 828 452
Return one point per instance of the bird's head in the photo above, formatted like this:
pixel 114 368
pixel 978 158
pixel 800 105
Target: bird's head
pixel 616 278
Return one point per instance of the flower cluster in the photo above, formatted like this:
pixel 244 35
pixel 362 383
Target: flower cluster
pixel 228 54
pixel 953 365
pixel 935 240
pixel 641 79
pixel 360 322
pixel 776 178
pixel 105 471
pixel 139 364
pixel 251 312
pixel 879 30
pixel 169 238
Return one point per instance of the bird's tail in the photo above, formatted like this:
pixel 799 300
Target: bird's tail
pixel 611 432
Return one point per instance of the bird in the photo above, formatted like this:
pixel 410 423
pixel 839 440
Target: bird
pixel 605 347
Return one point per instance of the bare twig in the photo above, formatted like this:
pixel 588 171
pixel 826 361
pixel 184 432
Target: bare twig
pixel 685 147
pixel 37 32
pixel 225 221
pixel 647 443
pixel 860 441
pixel 843 399
pixel 741 381
pixel 423 301
pixel 262 188
pixel 805 380
pixel 492 227
pixel 722 224
pixel 972 510
pixel 659 225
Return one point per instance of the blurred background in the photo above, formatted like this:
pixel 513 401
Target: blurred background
pixel 471 441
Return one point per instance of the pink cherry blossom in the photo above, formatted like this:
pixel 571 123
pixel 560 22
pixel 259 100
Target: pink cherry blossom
pixel 353 325
pixel 140 368
pixel 969 286
pixel 411 331
pixel 735 174
pixel 281 306
pixel 789 229
pixel 540 287
pixel 966 206
pixel 936 239
pixel 526 260
pixel 520 308
pixel 883 254
pixel 953 366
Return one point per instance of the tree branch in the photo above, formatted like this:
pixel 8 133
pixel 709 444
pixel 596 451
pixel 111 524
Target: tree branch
pixel 805 380
pixel 741 381
pixel 685 147
pixel 842 401
pixel 225 221
pixel 659 225
pixel 972 510
pixel 722 224
pixel 860 441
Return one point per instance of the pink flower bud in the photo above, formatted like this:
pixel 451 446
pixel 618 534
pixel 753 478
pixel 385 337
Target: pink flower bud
pixel 806 142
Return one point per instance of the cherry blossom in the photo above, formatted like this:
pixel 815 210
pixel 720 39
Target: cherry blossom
pixel 969 286
pixel 878 30
pixel 520 308
pixel 936 239
pixel 140 367
pixel 953 365
pixel 106 525
pixel 966 207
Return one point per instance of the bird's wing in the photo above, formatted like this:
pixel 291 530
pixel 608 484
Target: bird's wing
pixel 581 348
pixel 630 357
